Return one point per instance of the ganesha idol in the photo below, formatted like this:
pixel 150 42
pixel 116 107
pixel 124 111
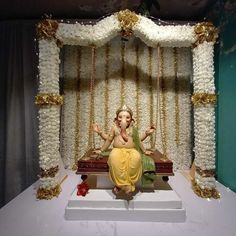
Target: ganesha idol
pixel 127 159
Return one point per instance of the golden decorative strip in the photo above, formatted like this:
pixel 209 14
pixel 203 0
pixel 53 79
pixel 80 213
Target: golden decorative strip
pixel 150 91
pixel 48 194
pixel 47 29
pixel 206 192
pixel 48 173
pixel 205 173
pixel 122 73
pixel 49 99
pixel 137 84
pixel 77 125
pixel 205 32
pixel 203 98
pixel 162 106
pixel 107 85
pixel 177 119
pixel 128 20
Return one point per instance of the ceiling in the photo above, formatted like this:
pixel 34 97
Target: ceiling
pixel 94 9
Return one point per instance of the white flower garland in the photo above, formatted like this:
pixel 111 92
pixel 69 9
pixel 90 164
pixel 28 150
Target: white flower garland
pixel 49 116
pixel 87 35
pixel 48 67
pixel 97 35
pixel 108 28
pixel 185 139
pixel 204 116
pixel 49 136
pixel 165 36
pixel 205 182
pixel 203 68
pixel 49 182
pixel 69 107
pixel 181 155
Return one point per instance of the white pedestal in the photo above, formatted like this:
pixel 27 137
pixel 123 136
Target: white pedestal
pixel 101 204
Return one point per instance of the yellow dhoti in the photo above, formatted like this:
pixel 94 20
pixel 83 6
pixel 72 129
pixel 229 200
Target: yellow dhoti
pixel 125 167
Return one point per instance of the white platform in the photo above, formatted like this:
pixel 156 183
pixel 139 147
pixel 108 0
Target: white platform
pixel 156 206
pixel 26 216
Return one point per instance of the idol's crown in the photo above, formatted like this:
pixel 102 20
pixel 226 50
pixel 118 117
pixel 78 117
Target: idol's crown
pixel 124 108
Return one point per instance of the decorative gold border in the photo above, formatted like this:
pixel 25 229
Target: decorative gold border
pixel 203 99
pixel 49 99
pixel 128 20
pixel 177 116
pixel 49 173
pixel 205 32
pixel 205 173
pixel 48 194
pixel 206 192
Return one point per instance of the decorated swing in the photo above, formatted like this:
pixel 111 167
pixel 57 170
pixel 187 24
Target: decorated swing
pixel 52 35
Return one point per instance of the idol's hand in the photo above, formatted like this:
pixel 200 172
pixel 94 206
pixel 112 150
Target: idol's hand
pixel 96 128
pixel 148 152
pixel 97 151
pixel 150 130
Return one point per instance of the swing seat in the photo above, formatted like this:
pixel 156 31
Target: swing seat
pixel 92 164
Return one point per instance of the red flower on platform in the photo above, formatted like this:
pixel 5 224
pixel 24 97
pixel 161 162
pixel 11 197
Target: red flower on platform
pixel 83 189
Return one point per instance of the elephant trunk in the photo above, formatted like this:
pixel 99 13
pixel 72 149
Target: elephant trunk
pixel 123 133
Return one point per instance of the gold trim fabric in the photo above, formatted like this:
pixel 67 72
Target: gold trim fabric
pixel 205 32
pixel 49 99
pixel 128 20
pixel 49 173
pixel 47 29
pixel 205 193
pixel 48 194
pixel 203 99
pixel 205 173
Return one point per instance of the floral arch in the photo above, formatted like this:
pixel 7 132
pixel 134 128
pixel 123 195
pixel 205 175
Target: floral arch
pixel 200 37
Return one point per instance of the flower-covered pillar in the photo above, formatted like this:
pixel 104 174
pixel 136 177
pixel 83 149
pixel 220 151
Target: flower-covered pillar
pixel 204 99
pixel 49 102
